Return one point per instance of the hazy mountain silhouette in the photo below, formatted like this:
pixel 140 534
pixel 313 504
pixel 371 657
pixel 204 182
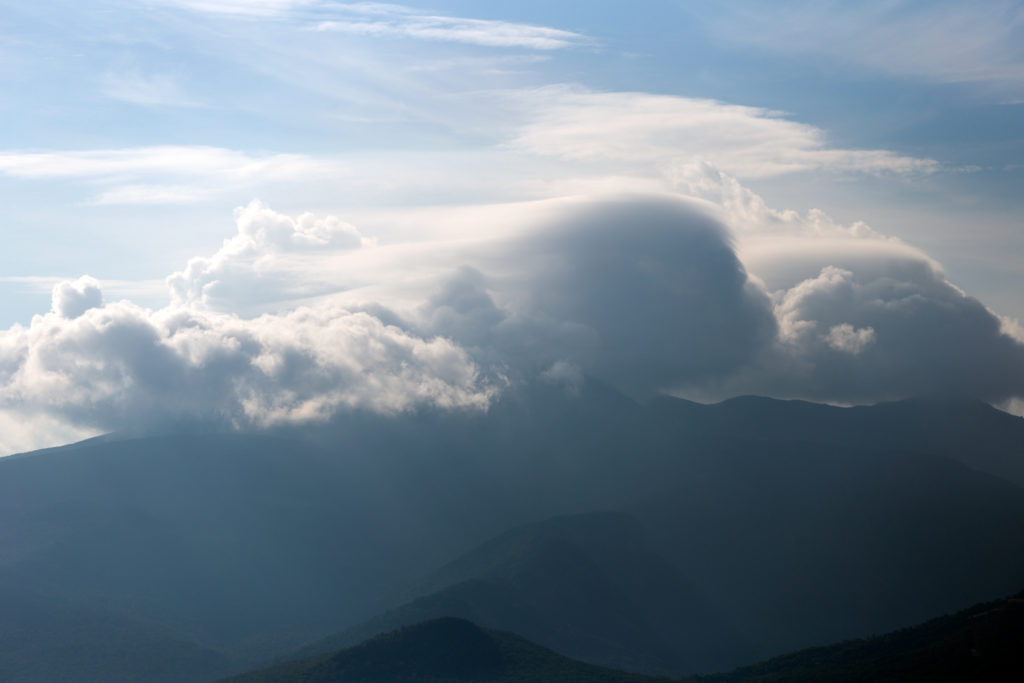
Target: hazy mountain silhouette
pixel 249 545
pixel 980 644
pixel 588 586
pixel 966 430
pixel 47 638
pixel 446 649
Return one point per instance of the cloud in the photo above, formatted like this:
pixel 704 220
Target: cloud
pixel 72 299
pixel 903 330
pixel 119 366
pixel 862 317
pixel 749 216
pixel 200 171
pixel 746 142
pixel 251 8
pixel 401 22
pixel 251 268
pixel 846 338
pixel 376 19
pixel 948 42
pixel 644 292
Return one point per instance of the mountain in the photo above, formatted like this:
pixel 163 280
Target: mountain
pixel 588 586
pixel 446 649
pixel 247 546
pixel 966 430
pixel 980 644
pixel 47 638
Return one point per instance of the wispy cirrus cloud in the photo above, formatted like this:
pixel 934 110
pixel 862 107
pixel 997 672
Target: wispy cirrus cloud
pixel 251 8
pixel 399 21
pixel 164 174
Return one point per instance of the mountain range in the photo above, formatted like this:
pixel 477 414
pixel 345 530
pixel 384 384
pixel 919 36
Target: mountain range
pixel 665 538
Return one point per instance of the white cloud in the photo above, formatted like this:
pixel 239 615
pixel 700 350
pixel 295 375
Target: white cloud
pixel 152 194
pixel 119 366
pixel 199 171
pixel 485 32
pixel 253 8
pixel 635 127
pixel 252 267
pixel 73 298
pixel 178 160
pixel 644 292
pixel 377 19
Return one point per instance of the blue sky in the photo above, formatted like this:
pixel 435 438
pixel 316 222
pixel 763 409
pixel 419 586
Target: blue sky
pixel 134 131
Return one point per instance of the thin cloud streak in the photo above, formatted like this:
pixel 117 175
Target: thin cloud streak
pixel 196 173
pixel 390 20
pixel 482 32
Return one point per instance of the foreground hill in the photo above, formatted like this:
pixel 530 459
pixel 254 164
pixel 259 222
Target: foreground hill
pixel 234 549
pixel 979 644
pixel 446 649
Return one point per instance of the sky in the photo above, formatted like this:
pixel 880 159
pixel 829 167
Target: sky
pixel 246 213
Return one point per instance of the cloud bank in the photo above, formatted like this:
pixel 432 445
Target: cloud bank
pixel 119 366
pixel 649 293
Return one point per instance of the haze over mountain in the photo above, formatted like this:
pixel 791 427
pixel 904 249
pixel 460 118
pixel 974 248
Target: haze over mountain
pixel 251 545
pixel 977 644
pixel 441 650
pixel 671 338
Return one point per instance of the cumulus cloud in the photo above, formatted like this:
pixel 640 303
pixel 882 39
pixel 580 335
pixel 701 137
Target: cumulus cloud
pixel 846 337
pixel 646 292
pixel 862 317
pixel 251 267
pixel 72 299
pixel 120 366
pixel 891 328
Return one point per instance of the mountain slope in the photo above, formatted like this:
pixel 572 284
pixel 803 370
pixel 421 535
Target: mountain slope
pixel 981 644
pixel 251 544
pixel 588 586
pixel 446 649
pixel 47 639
